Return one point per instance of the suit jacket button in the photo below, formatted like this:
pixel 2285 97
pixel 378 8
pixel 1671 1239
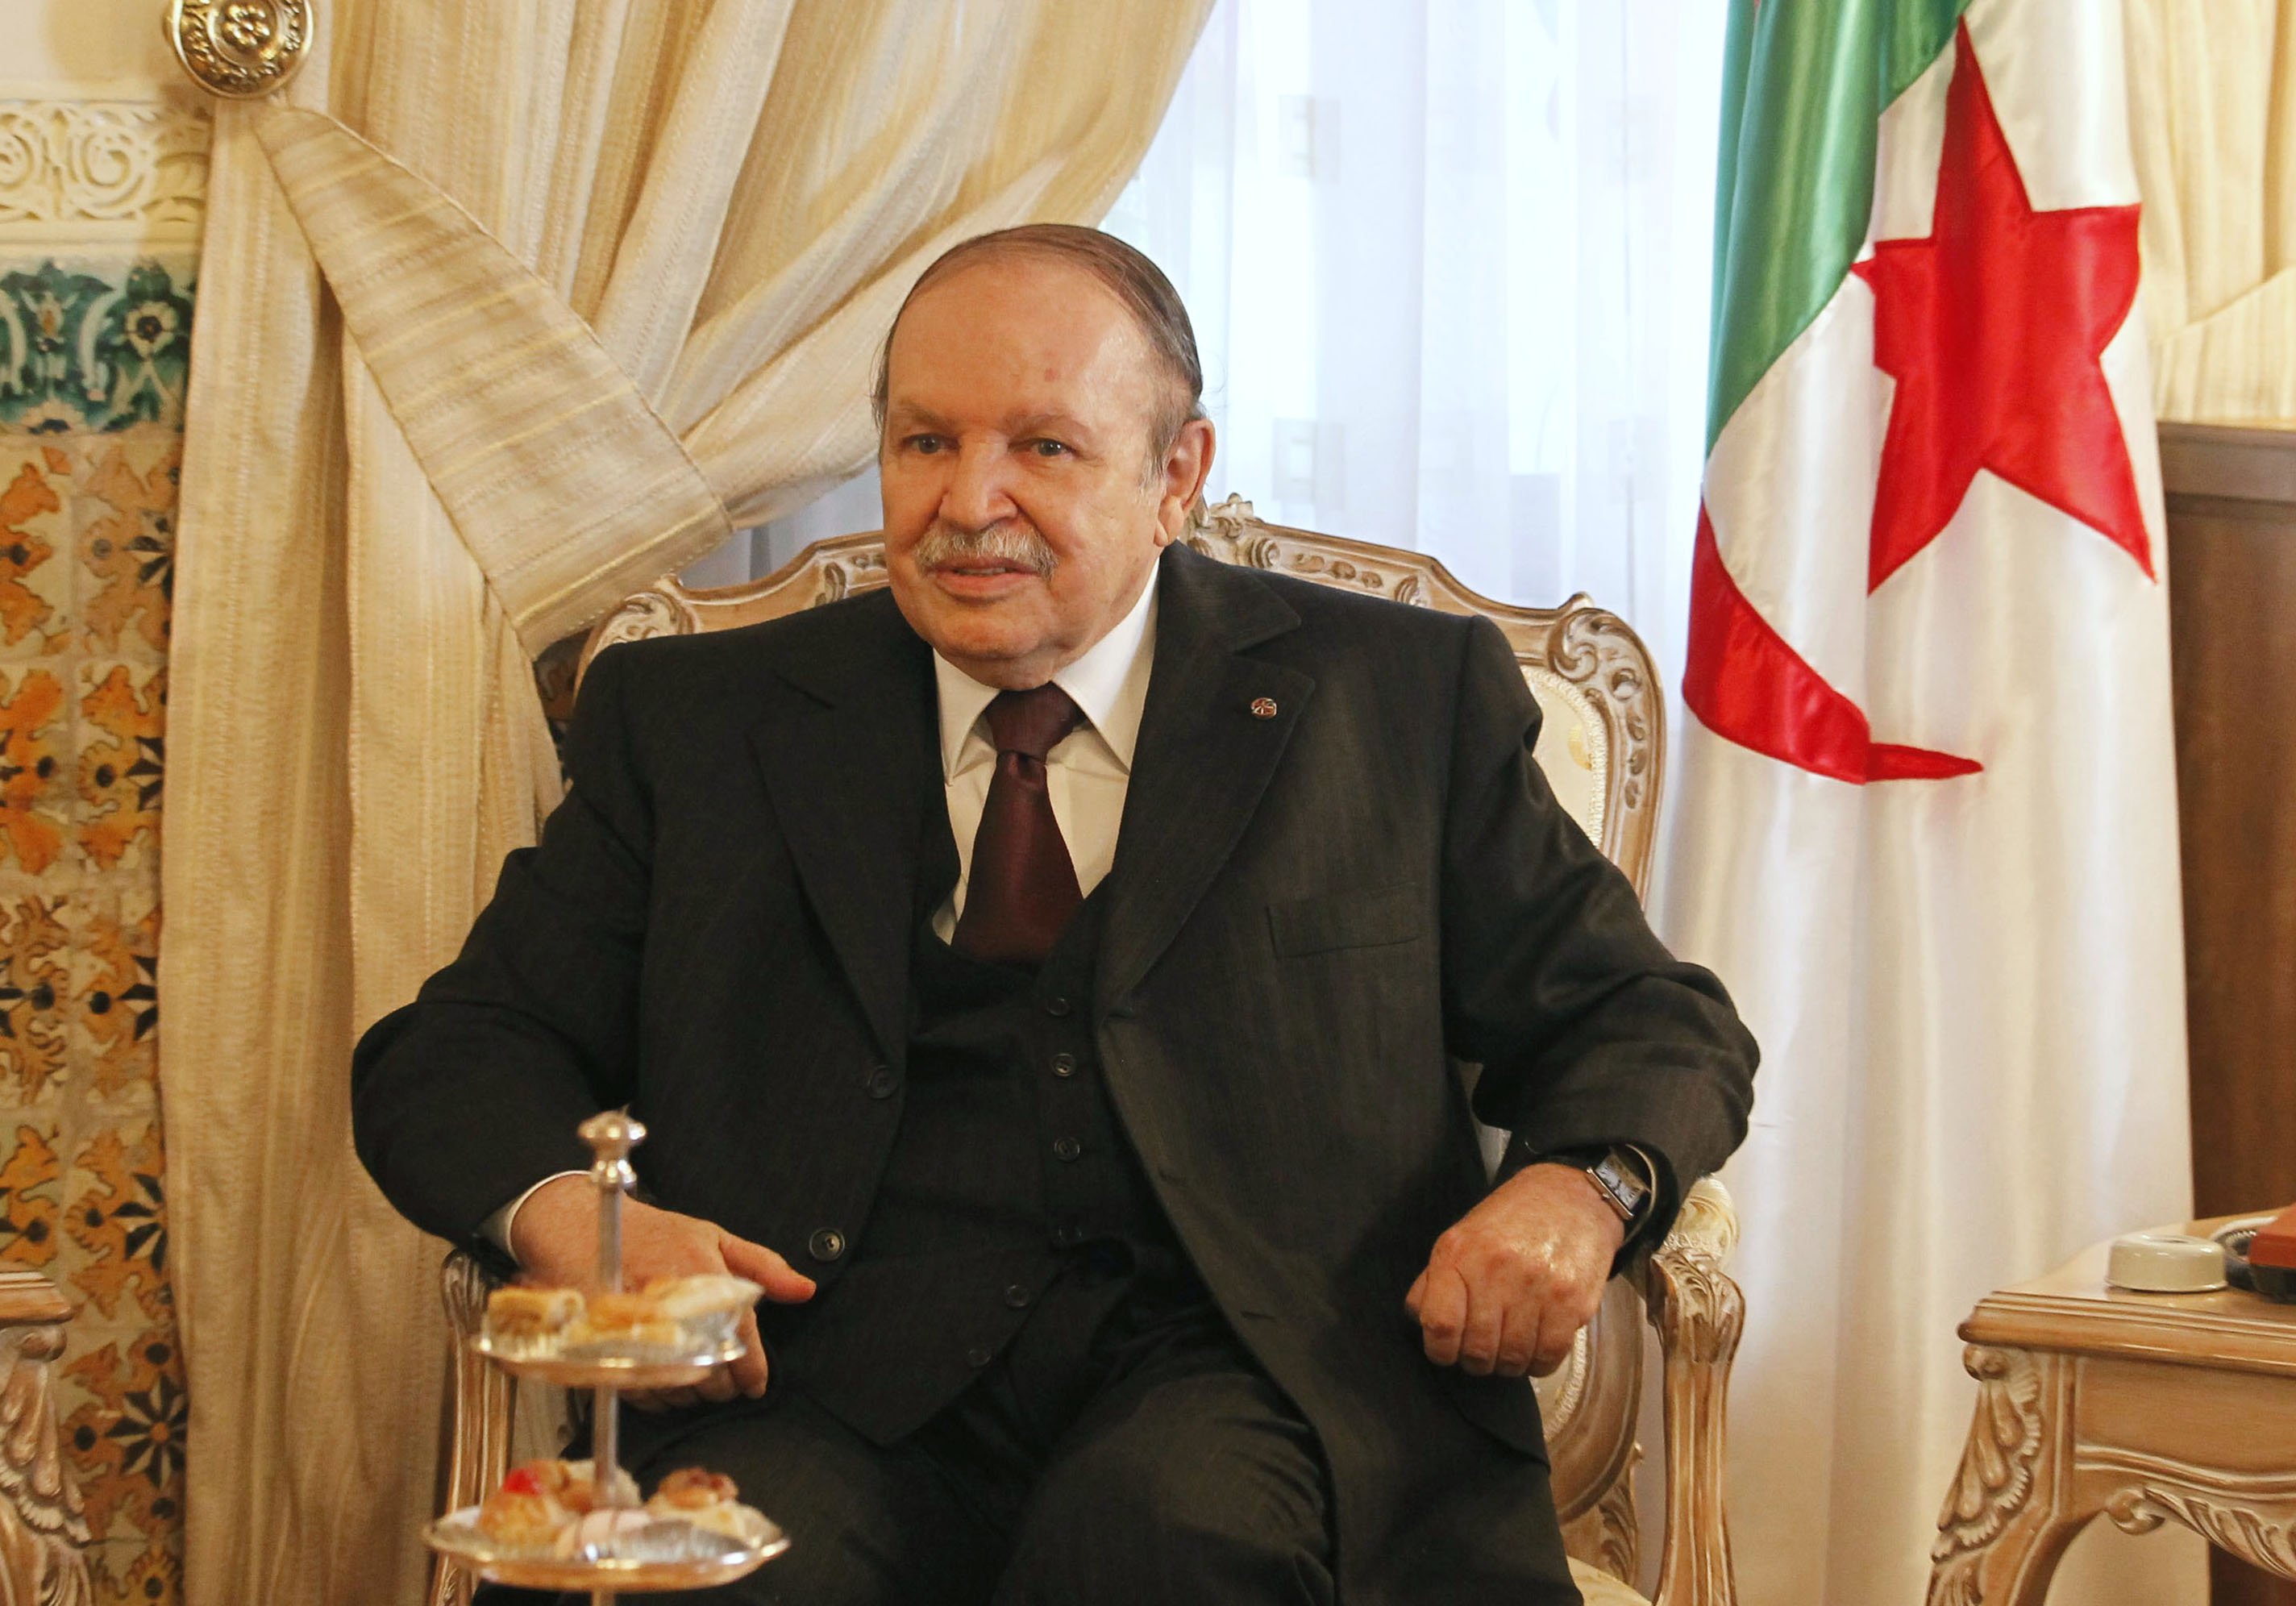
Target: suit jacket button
pixel 1067 1148
pixel 1056 1007
pixel 979 1354
pixel 1064 1065
pixel 1017 1296
pixel 826 1244
pixel 882 1082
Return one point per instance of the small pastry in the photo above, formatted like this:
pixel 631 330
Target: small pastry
pixel 684 1298
pixel 627 1319
pixel 525 1511
pixel 707 1500
pixel 529 1314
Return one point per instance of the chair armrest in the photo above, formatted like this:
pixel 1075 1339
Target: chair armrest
pixel 43 1532
pixel 478 1450
pixel 1698 1313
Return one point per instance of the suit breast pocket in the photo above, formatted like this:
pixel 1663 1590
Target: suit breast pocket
pixel 1381 917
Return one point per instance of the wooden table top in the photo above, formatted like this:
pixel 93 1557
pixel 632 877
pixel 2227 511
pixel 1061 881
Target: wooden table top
pixel 27 1297
pixel 2071 1310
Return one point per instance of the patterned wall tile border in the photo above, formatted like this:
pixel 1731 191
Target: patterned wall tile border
pixel 94 342
pixel 119 163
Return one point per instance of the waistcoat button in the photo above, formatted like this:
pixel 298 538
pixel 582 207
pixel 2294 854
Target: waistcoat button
pixel 882 1082
pixel 1017 1296
pixel 1067 1148
pixel 1056 1007
pixel 1064 1065
pixel 827 1244
pixel 979 1354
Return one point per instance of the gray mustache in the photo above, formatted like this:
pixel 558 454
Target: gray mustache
pixel 1005 543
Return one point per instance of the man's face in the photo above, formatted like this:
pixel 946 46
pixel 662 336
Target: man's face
pixel 1025 498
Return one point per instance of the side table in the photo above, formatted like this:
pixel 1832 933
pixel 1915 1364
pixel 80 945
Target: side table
pixel 43 1535
pixel 2146 1407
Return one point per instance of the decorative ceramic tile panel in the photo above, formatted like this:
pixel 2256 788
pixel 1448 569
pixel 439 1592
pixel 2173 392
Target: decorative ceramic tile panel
pixel 94 352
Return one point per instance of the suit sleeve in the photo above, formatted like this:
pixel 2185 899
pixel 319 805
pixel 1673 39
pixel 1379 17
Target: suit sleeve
pixel 471 1094
pixel 1588 1031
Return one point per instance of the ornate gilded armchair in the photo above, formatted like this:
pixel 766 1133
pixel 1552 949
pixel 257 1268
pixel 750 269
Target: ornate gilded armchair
pixel 1602 748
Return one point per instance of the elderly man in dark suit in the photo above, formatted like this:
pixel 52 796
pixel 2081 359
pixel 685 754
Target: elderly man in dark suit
pixel 1048 977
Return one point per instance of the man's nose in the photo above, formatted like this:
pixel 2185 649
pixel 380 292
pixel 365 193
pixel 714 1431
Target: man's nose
pixel 977 494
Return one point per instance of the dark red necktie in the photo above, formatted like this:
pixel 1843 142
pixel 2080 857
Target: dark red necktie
pixel 1023 886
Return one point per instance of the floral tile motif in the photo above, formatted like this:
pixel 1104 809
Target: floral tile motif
pixel 128 550
pixel 156 1578
pixel 28 1207
pixel 126 1440
pixel 34 479
pixel 34 977
pixel 84 349
pixel 122 760
pixel 92 364
pixel 35 737
pixel 117 1223
pixel 116 1003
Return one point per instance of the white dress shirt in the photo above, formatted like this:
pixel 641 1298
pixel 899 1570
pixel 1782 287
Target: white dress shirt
pixel 1087 772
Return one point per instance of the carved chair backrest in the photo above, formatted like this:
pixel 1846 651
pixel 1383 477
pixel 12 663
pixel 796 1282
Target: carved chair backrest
pixel 1601 748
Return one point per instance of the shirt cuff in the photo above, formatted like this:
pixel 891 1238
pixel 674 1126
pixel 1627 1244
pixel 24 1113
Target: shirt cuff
pixel 496 1228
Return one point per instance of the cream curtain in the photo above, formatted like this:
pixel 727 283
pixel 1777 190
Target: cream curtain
pixel 2212 92
pixel 506 309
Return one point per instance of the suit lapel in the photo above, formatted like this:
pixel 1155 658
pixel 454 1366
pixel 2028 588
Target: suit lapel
pixel 849 764
pixel 1203 759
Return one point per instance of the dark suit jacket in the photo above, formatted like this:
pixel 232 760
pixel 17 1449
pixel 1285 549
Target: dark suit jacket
pixel 1310 917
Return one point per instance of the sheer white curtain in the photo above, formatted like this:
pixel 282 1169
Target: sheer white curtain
pixel 1449 263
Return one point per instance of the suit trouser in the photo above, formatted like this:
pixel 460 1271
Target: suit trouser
pixel 1186 1476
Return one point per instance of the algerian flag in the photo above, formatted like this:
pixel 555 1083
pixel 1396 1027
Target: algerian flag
pixel 1927 824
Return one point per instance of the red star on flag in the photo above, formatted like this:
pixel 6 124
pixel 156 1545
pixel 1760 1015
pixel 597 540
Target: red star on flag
pixel 1993 325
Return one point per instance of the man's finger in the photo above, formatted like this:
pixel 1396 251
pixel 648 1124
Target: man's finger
pixel 717 1387
pixel 749 1371
pixel 768 1270
pixel 1442 1315
pixel 1479 1340
pixel 1556 1332
pixel 1418 1290
pixel 1518 1342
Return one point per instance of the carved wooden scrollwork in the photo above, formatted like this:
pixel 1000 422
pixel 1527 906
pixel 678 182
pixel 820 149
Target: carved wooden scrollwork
pixel 1997 1471
pixel 640 618
pixel 2239 1528
pixel 42 1529
pixel 1591 646
pixel 856 571
pixel 1700 1313
pixel 478 1454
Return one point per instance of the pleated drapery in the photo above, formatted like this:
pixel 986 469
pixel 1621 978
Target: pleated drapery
pixel 2212 93
pixel 507 310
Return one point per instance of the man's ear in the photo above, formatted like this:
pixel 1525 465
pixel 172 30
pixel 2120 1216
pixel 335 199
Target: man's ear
pixel 1187 466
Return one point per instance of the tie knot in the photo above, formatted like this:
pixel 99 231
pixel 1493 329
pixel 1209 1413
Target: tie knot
pixel 1032 722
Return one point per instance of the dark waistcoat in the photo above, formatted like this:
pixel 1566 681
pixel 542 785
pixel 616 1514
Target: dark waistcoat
pixel 1011 1214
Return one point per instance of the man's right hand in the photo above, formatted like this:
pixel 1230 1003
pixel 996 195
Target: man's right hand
pixel 554 1237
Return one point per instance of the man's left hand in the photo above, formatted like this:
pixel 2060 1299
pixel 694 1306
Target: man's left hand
pixel 1508 1288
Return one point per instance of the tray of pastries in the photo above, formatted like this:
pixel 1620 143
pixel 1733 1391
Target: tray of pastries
pixel 669 1334
pixel 546 1528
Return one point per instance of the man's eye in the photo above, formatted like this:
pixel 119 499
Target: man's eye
pixel 1049 448
pixel 930 445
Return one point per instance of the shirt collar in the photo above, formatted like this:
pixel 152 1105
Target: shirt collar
pixel 1109 682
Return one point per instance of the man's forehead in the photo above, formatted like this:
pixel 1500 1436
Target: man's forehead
pixel 1019 321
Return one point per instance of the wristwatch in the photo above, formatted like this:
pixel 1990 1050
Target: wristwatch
pixel 1621 1177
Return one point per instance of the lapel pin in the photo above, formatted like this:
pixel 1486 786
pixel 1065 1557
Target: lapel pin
pixel 1263 708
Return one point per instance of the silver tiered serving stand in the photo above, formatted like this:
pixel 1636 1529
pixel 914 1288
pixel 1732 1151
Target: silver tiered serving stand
pixel 611 1136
